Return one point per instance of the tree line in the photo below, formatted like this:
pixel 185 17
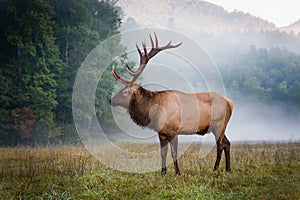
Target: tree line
pixel 42 45
pixel 267 75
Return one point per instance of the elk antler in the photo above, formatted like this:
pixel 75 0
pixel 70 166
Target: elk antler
pixel 144 58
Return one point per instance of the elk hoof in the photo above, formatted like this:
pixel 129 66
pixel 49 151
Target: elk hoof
pixel 163 171
pixel 177 174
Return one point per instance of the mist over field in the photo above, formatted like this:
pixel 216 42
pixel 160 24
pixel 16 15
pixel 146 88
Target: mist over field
pixel 258 62
pixel 252 77
pixel 257 122
pixel 251 121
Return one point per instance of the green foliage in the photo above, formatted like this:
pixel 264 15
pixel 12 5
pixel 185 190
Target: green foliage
pixel 31 62
pixel 268 75
pixel 43 43
pixel 80 26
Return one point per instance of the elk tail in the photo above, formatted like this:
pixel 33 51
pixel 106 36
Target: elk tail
pixel 230 102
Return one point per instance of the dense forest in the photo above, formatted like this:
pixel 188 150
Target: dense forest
pixel 270 76
pixel 42 45
pixel 44 42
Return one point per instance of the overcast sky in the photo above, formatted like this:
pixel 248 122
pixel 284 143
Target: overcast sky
pixel 279 12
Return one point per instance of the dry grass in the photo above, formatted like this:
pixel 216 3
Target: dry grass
pixel 261 171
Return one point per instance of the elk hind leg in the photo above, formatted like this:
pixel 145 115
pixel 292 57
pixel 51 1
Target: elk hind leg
pixel 219 135
pixel 219 154
pixel 226 146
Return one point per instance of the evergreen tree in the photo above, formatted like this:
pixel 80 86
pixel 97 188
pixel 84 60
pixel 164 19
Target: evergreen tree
pixel 80 26
pixel 31 61
pixel 42 45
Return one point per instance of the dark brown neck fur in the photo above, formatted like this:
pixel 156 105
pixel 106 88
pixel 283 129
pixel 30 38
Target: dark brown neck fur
pixel 139 105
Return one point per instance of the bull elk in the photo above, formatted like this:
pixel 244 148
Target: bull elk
pixel 171 112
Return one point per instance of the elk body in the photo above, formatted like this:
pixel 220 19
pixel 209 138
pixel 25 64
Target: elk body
pixel 171 112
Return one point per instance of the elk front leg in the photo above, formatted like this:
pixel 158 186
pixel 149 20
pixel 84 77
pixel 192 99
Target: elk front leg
pixel 163 151
pixel 174 145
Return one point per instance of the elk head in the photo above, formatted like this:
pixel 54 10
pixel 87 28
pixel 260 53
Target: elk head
pixel 123 97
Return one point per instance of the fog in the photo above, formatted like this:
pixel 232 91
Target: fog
pixel 191 68
pixel 222 37
pixel 250 122
pixel 261 122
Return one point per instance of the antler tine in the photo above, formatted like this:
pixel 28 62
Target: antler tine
pixel 138 49
pixel 131 72
pixel 157 49
pixel 120 79
pixel 169 46
pixel 144 47
pixel 156 40
pixel 152 43
pixel 169 43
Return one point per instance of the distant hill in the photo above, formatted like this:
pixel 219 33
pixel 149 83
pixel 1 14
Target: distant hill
pixel 218 30
pixel 295 27
pixel 193 15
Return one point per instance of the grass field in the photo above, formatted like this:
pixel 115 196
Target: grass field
pixel 261 171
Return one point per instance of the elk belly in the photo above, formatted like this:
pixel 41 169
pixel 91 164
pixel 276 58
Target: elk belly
pixel 189 113
pixel 189 123
pixel 195 115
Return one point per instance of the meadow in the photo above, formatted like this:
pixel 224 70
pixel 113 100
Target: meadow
pixel 259 171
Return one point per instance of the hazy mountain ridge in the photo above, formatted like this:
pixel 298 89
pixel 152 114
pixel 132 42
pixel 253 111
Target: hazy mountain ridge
pixel 295 28
pixel 211 25
pixel 193 15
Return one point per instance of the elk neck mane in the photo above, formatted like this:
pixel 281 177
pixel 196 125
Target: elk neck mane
pixel 140 104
